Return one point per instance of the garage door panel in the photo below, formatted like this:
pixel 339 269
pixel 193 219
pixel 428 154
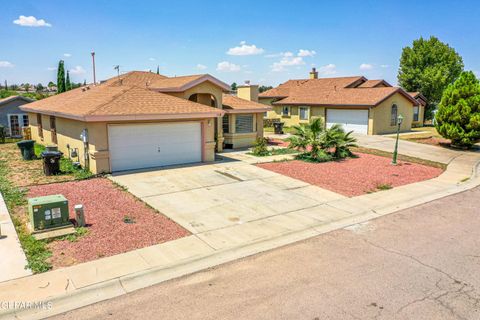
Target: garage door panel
pixel 153 145
pixel 351 120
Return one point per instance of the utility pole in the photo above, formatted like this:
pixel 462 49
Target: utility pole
pixel 6 86
pixel 93 62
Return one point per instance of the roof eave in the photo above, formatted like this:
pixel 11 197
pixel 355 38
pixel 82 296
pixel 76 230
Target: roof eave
pixel 194 83
pixel 259 110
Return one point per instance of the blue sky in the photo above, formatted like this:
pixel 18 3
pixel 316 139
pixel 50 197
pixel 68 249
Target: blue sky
pixel 267 42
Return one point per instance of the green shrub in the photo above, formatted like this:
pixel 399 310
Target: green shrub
pixel 319 144
pixel 260 148
pixel 458 115
pixel 3 134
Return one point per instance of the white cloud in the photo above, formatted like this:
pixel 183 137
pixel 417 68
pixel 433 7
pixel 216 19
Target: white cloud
pixel 51 68
pixel 385 66
pixel 31 21
pixel 151 59
pixel 245 50
pixel 306 53
pixel 288 60
pixel 77 70
pixel 366 66
pixel 328 69
pixel 274 55
pixel 201 66
pixel 6 64
pixel 68 55
pixel 226 66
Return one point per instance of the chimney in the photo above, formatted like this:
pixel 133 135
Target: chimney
pixel 314 74
pixel 248 91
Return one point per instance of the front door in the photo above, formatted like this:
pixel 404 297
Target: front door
pixel 14 126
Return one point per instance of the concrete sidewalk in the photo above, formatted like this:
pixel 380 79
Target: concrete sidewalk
pixel 12 257
pixel 94 281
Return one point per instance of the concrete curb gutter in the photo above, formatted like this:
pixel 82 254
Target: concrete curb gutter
pixel 72 294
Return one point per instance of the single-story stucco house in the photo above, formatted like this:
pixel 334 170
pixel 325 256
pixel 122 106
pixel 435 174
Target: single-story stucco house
pixel 142 119
pixel 11 117
pixel 360 105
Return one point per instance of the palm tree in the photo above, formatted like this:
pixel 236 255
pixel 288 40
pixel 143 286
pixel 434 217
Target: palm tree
pixel 320 144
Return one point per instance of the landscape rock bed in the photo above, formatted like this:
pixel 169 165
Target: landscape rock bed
pixel 355 176
pixel 117 222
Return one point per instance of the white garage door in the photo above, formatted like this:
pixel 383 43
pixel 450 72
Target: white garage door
pixel 152 145
pixel 351 120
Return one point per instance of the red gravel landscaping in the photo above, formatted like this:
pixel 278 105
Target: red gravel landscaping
pixel 105 207
pixel 355 176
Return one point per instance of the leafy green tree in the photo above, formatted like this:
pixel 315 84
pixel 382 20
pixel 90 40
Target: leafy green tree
pixel 27 86
pixel 68 84
pixel 39 87
pixel 458 115
pixel 61 85
pixel 234 86
pixel 429 66
pixel 51 84
pixel 264 88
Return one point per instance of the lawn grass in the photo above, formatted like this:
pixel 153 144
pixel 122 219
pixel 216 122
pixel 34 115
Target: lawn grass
pixel 401 157
pixel 285 129
pixel 16 175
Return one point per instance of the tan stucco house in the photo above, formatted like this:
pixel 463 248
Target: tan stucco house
pixel 142 120
pixel 360 105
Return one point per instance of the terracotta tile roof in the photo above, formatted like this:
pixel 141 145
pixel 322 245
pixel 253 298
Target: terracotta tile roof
pixel 374 83
pixel 162 83
pixel 347 91
pixel 284 89
pixel 233 104
pixel 118 101
pixel 419 97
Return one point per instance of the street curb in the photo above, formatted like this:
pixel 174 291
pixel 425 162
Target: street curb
pixel 137 280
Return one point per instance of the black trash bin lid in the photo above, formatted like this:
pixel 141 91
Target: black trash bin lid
pixel 25 143
pixel 51 154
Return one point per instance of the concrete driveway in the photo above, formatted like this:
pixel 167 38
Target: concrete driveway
pixel 229 203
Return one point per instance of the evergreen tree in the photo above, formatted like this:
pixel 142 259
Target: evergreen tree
pixel 158 69
pixel 61 85
pixel 234 86
pixel 85 82
pixel 458 115
pixel 429 66
pixel 68 84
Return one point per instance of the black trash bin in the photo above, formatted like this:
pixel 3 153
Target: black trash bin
pixel 278 127
pixel 51 162
pixel 27 149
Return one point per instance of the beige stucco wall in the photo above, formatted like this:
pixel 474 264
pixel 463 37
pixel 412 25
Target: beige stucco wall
pixel 294 117
pixel 243 140
pixel 203 90
pixel 421 115
pixel 68 132
pixel 381 115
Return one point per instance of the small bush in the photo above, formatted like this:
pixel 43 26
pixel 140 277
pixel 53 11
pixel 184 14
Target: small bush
pixel 384 186
pixel 260 148
pixel 3 134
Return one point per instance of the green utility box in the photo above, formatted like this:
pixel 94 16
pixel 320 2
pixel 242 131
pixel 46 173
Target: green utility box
pixel 48 212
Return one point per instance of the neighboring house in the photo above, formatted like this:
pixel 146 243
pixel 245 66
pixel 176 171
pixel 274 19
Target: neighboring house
pixel 11 117
pixel 360 105
pixel 418 111
pixel 140 120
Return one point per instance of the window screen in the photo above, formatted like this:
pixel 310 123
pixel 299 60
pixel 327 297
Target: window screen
pixel 25 120
pixel 393 119
pixel 415 113
pixel 303 113
pixel 226 128
pixel 244 123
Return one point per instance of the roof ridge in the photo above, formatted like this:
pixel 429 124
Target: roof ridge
pixel 111 100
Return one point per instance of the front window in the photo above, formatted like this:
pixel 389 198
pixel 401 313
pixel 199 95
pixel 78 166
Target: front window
pixel 226 126
pixel 393 116
pixel 415 113
pixel 39 125
pixel 25 120
pixel 286 111
pixel 53 129
pixel 244 123
pixel 304 113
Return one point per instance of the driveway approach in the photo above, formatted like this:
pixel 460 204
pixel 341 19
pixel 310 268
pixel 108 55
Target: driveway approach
pixel 231 203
